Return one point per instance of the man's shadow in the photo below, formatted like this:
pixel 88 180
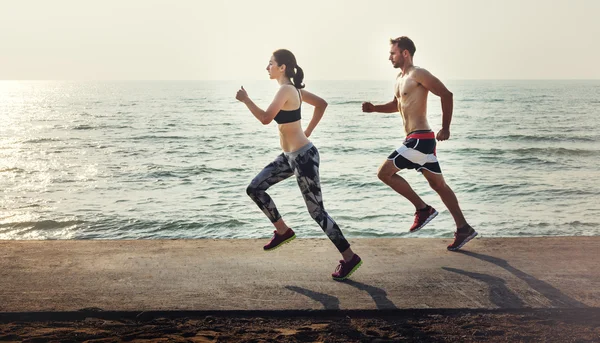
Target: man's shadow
pixel 554 295
pixel 500 295
pixel 330 302
pixel 379 295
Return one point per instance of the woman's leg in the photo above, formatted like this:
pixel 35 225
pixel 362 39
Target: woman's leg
pixel 274 172
pixel 306 169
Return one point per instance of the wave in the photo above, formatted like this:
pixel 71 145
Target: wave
pixel 346 102
pixel 345 183
pixel 522 152
pixel 527 99
pixel 536 138
pixel 199 170
pixel 350 218
pixel 227 228
pixel 525 190
pixel 559 152
pixel 123 228
pixel 572 224
pixel 350 149
pixel 483 100
pixel 158 171
pixel 552 193
pixel 529 160
pixel 549 138
pixel 155 137
pixel 83 127
pixel 42 140
pixel 14 170
pixel 162 174
pixel 41 225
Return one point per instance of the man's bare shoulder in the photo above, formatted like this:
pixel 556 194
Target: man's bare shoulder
pixel 423 76
pixel 420 72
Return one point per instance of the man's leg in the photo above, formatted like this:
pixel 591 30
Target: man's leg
pixel 438 184
pixel 464 232
pixel 424 213
pixel 388 174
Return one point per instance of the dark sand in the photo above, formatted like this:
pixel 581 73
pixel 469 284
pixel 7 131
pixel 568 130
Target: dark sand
pixel 581 325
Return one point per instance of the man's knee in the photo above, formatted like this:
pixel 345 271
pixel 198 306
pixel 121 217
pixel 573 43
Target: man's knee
pixel 384 174
pixel 437 185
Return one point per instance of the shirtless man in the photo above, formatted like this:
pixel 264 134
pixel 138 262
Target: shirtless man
pixel 418 150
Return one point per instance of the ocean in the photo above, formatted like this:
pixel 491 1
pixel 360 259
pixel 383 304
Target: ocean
pixel 172 159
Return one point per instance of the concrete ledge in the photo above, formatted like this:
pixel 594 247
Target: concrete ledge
pixel 175 276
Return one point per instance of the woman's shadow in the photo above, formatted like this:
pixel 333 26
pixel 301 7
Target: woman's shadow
pixel 330 302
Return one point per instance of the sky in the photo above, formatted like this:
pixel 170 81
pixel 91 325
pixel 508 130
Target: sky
pixel 332 40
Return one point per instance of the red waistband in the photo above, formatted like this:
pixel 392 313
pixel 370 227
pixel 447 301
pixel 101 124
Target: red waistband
pixel 421 135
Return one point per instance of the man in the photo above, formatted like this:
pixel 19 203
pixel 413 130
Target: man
pixel 418 150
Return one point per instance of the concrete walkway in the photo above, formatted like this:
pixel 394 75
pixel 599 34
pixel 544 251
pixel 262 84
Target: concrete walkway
pixel 206 275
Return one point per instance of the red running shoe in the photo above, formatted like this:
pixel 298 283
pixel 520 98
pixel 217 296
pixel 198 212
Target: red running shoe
pixel 461 237
pixel 279 240
pixel 422 217
pixel 345 269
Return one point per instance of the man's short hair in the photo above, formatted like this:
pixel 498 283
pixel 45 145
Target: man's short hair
pixel 404 43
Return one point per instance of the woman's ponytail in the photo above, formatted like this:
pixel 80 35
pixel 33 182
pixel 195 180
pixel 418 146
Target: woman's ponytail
pixel 298 77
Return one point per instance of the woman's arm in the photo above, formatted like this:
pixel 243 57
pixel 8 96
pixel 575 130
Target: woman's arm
pixel 267 116
pixel 320 106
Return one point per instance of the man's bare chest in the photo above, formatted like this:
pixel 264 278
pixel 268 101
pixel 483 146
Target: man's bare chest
pixel 406 88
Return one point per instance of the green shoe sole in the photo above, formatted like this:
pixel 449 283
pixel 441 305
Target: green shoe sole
pixel 282 243
pixel 347 276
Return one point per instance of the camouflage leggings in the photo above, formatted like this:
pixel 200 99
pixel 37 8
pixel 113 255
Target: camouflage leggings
pixel 303 163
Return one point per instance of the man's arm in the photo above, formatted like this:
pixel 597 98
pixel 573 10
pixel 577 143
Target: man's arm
pixel 436 87
pixel 389 107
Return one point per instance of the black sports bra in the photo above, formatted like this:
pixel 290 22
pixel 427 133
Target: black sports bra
pixel 284 117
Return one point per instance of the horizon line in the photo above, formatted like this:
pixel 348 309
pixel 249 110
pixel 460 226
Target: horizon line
pixel 236 80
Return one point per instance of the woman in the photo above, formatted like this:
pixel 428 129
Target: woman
pixel 300 157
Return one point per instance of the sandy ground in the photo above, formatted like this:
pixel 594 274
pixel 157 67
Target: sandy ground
pixel 574 325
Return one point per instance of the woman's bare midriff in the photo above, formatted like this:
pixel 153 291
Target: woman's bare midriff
pixel 291 136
